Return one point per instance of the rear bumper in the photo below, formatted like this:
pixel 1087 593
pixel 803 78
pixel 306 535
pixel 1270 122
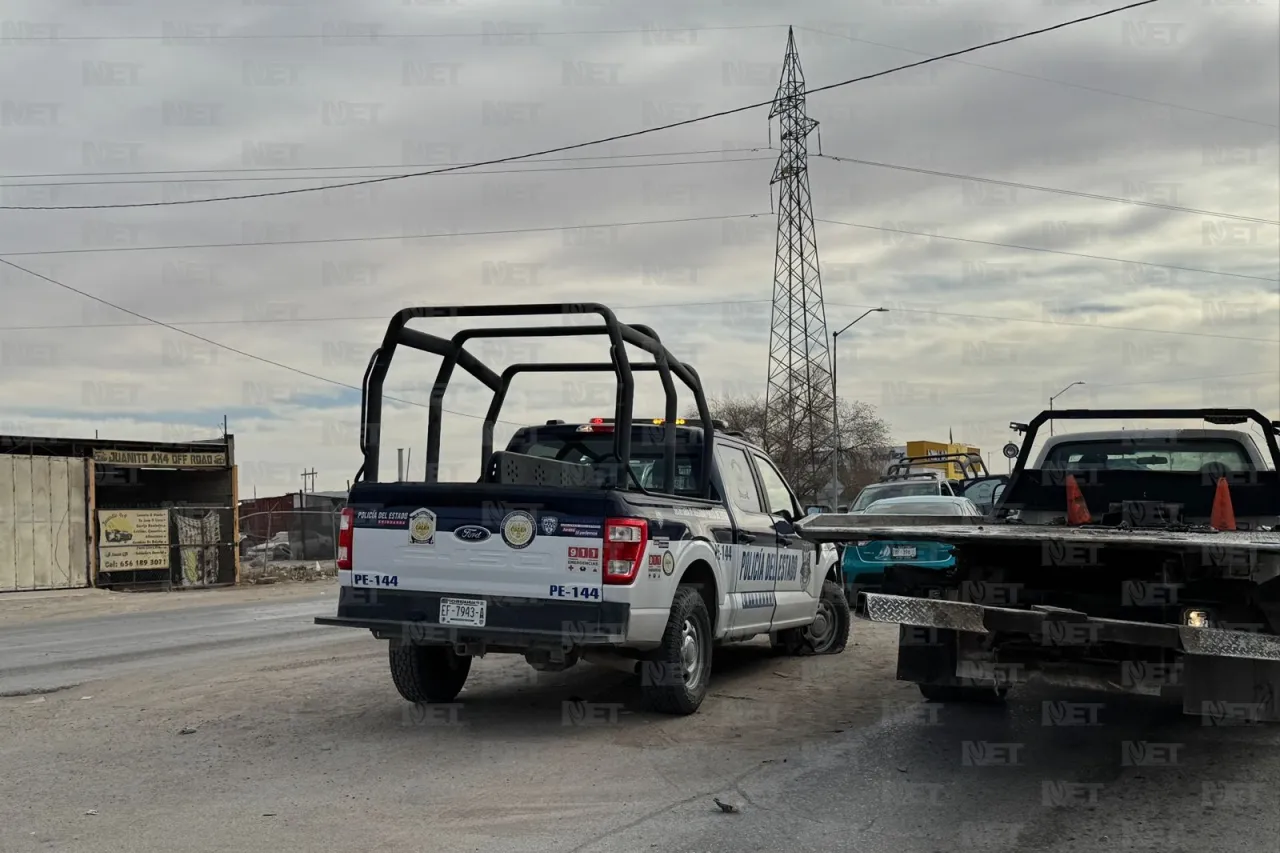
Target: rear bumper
pixel 516 623
pixel 982 619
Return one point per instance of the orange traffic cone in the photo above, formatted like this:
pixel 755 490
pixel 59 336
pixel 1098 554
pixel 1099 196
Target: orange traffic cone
pixel 1077 509
pixel 1223 516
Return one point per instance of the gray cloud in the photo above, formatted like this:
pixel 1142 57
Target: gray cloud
pixel 347 100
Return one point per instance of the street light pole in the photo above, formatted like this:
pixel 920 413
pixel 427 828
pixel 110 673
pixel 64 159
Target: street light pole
pixel 1056 396
pixel 835 405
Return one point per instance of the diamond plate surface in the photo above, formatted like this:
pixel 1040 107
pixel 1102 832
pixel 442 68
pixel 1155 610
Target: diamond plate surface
pixel 1215 642
pixel 925 612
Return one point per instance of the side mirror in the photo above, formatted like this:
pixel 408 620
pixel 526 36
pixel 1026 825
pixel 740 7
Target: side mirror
pixel 785 515
pixel 816 509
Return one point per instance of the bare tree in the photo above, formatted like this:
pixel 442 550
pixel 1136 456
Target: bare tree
pixel 864 443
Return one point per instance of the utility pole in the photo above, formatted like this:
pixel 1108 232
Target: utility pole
pixel 836 486
pixel 312 475
pixel 399 464
pixel 1056 396
pixel 799 396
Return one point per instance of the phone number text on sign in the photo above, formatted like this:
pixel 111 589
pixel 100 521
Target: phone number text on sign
pixel 133 558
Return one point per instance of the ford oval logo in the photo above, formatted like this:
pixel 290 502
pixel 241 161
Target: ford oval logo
pixel 471 533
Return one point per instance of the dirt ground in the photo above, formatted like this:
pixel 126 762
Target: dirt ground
pixel 313 749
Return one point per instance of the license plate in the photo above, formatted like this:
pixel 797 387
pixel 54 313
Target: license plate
pixel 462 611
pixel 903 552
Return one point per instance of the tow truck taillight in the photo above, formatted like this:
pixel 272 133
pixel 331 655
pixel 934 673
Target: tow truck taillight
pixel 346 529
pixel 625 540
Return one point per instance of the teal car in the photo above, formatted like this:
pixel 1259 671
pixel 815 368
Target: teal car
pixel 864 563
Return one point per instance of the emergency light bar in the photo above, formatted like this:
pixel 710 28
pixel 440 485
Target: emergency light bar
pixel 606 424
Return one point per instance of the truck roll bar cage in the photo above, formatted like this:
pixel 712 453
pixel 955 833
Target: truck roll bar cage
pixel 454 355
pixel 969 464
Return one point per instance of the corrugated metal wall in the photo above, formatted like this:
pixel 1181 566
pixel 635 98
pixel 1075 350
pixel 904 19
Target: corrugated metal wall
pixel 44 517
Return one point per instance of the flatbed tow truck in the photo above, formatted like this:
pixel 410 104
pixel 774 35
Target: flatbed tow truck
pixel 1141 578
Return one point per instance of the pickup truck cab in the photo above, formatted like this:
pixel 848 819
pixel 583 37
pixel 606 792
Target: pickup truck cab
pixel 560 553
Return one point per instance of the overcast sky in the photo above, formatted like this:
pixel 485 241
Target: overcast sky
pixel 1174 103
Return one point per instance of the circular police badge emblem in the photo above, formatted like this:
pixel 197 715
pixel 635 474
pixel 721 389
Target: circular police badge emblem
pixel 549 524
pixel 668 563
pixel 806 572
pixel 422 527
pixel 518 529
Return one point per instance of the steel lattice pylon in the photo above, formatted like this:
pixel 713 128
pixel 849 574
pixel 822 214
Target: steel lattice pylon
pixel 798 400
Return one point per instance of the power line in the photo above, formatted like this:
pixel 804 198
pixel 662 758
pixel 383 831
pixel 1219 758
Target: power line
pixel 319 240
pixel 325 379
pixel 219 344
pixel 604 140
pixel 679 305
pixel 988 317
pixel 255 169
pixel 1041 79
pixel 1177 379
pixel 354 36
pixel 1036 188
pixel 534 34
pixel 1047 251
pixel 446 175
pixel 832 157
pixel 346 319
pixel 539 229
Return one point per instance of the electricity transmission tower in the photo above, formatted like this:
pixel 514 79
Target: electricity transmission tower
pixel 798 401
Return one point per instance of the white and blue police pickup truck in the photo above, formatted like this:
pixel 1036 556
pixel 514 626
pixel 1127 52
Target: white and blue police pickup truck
pixel 562 555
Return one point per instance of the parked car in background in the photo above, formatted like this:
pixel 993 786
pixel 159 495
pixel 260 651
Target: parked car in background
pixel 868 566
pixel 923 487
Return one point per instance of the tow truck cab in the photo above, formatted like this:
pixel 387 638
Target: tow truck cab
pixel 1177 468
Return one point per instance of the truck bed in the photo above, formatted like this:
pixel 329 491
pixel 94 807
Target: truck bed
pixel 831 527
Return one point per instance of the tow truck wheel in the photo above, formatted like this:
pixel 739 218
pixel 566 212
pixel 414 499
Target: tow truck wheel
pixel 828 634
pixel 955 693
pixel 674 678
pixel 427 673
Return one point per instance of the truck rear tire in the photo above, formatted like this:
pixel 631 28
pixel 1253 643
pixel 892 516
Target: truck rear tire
pixel 674 678
pixel 427 673
pixel 829 633
pixel 958 694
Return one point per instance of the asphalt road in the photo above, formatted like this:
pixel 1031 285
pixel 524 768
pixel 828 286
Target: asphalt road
pixel 48 655
pixel 296 741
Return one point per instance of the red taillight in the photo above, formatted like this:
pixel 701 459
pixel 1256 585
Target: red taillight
pixel 346 525
pixel 625 540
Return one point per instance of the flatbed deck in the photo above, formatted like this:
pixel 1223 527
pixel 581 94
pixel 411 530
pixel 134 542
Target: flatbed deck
pixel 832 527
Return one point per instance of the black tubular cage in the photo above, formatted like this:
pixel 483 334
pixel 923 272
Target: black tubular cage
pixel 454 355
pixel 969 463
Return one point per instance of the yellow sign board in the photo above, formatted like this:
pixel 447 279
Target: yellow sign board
pixel 133 558
pixel 120 527
pixel 941 448
pixel 158 459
